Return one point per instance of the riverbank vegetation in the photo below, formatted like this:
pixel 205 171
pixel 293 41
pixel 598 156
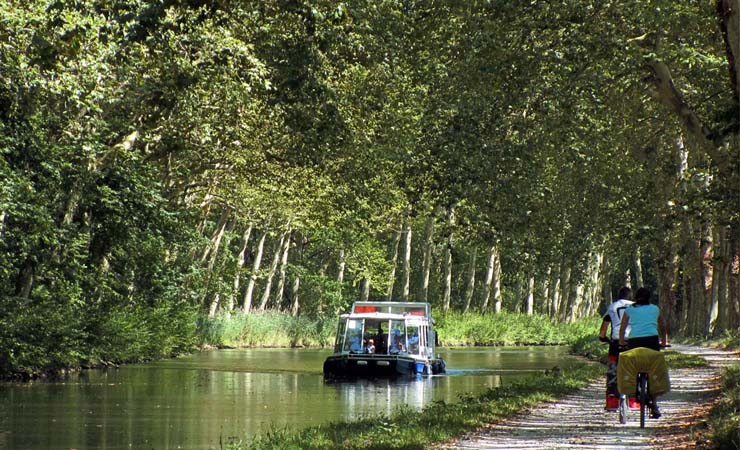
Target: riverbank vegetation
pixel 265 329
pixel 273 329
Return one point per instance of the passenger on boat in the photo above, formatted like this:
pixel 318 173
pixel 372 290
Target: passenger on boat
pixel 397 346
pixel 414 343
pixel 355 346
pixel 370 348
pixel 382 340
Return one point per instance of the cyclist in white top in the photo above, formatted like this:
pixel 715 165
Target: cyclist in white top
pixel 613 318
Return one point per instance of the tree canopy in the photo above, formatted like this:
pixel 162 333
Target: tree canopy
pixel 162 160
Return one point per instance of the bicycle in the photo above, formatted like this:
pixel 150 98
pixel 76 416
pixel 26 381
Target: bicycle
pixel 642 395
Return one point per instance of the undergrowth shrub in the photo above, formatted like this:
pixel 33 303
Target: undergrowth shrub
pixel 52 335
pixel 725 416
pixel 265 329
pixel 505 328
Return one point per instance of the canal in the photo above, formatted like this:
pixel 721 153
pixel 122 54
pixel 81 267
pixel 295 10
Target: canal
pixel 202 400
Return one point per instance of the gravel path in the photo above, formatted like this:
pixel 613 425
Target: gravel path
pixel 579 421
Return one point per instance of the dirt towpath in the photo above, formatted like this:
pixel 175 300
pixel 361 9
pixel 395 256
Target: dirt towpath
pixel 578 421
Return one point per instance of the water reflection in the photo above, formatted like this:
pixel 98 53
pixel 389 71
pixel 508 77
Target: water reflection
pixel 201 401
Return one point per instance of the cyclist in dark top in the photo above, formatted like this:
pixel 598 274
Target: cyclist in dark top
pixel 647 328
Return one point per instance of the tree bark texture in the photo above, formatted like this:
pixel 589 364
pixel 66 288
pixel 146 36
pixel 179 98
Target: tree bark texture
pixel 240 260
pixel 364 289
pixel 280 291
pixel 488 283
pixel 406 260
pixel 471 280
pixel 530 296
pixel 216 236
pixel 341 266
pixel 637 268
pixel 666 271
pixel 295 290
pixel 426 267
pixel 273 270
pixel 498 300
pixel 729 16
pixel 214 254
pixel 734 277
pixel 565 292
pixel 394 265
pixel 446 298
pixel 666 92
pixel 256 264
pixel 544 283
pixel 554 293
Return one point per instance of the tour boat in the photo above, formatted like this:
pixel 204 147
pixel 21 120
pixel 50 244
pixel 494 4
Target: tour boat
pixel 384 339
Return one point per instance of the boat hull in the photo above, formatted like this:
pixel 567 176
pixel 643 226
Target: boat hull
pixel 370 366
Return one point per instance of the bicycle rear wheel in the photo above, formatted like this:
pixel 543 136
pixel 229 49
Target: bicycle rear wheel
pixel 642 395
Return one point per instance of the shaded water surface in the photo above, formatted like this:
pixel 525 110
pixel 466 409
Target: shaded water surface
pixel 200 401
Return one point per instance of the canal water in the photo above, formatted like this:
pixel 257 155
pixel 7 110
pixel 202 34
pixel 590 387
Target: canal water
pixel 203 400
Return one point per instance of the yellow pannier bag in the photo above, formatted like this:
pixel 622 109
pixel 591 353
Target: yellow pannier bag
pixel 642 360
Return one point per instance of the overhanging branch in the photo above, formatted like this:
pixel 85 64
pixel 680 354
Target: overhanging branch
pixel 663 90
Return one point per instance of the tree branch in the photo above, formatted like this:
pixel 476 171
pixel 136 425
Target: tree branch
pixel 729 15
pixel 665 91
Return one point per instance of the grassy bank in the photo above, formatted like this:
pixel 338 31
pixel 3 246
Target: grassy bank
pixel 45 337
pixel 723 423
pixel 457 329
pixel 724 419
pixel 265 329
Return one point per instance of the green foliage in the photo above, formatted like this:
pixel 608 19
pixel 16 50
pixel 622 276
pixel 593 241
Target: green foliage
pixel 51 336
pixel 730 339
pixel 45 337
pixel 322 296
pixel 136 333
pixel 590 347
pixel 506 328
pixel 265 329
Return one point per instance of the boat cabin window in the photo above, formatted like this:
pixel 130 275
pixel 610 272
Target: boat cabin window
pixel 341 330
pixel 352 336
pixel 397 342
pixel 414 339
pixel 377 330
